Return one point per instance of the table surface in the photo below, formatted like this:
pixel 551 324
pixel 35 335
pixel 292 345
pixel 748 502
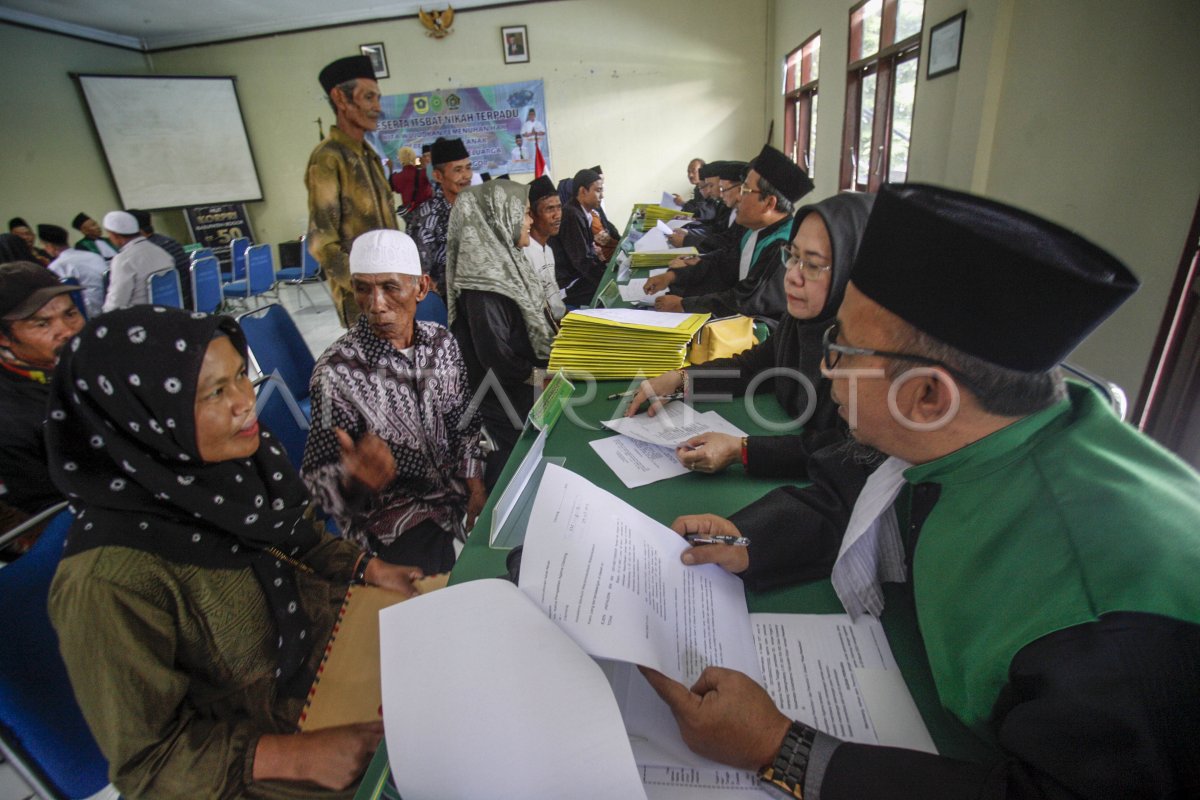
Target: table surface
pixel 696 493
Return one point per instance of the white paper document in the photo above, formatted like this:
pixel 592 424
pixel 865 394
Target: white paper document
pixel 668 201
pixel 672 426
pixel 611 577
pixel 838 676
pixel 502 686
pixel 635 291
pixel 632 316
pixel 638 463
pixel 652 241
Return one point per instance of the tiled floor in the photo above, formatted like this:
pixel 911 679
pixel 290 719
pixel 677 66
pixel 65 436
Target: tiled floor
pixel 318 323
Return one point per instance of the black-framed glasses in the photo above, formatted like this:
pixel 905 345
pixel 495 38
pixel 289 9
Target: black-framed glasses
pixel 729 188
pixel 810 271
pixel 833 352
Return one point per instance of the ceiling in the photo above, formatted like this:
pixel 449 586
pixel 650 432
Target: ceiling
pixel 158 24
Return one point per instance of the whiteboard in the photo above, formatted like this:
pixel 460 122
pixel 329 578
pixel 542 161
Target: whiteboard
pixel 172 141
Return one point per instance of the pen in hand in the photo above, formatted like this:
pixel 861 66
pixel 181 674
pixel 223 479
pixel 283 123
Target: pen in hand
pixel 697 539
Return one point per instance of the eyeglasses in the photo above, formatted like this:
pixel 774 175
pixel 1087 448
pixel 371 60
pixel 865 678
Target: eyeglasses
pixel 833 352
pixel 750 191
pixel 810 271
pixel 729 188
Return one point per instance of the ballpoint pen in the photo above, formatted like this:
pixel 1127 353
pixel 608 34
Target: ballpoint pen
pixel 663 397
pixel 736 541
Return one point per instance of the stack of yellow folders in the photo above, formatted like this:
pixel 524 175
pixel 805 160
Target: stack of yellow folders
pixel 659 258
pixel 654 213
pixel 617 343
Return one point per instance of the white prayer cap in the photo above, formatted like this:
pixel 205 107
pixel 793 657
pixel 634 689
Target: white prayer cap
pixel 382 251
pixel 121 222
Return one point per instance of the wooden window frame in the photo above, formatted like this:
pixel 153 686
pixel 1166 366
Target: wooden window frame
pixel 882 64
pixel 798 101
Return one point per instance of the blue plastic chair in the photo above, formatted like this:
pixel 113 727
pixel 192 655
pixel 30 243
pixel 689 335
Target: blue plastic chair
pixel 237 259
pixel 260 274
pixel 277 348
pixel 283 416
pixel 164 288
pixel 42 731
pixel 207 293
pixel 433 309
pixel 308 271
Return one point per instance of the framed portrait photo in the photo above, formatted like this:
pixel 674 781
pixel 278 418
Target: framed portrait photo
pixel 515 41
pixel 945 46
pixel 378 57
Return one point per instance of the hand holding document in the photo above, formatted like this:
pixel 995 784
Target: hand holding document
pixel 510 684
pixel 672 426
pixel 638 463
pixel 668 201
pixel 611 577
pixel 635 292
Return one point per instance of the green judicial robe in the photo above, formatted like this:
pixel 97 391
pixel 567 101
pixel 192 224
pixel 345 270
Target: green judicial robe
pixel 1054 567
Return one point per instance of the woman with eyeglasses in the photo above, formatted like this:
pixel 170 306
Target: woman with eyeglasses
pixel 824 242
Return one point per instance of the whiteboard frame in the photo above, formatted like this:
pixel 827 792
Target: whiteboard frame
pixel 79 78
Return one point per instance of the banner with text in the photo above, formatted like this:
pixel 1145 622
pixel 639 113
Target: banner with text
pixel 499 124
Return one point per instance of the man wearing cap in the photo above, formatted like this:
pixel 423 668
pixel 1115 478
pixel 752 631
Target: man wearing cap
pixel 451 174
pixel 393 453
pixel 82 265
pixel 183 264
pixel 136 260
pixel 585 248
pixel 1048 550
pixel 37 320
pixel 544 250
pixel 720 230
pixel 20 228
pixel 348 193
pixel 93 237
pixel 748 279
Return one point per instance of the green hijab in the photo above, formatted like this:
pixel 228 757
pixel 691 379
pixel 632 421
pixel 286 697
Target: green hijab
pixel 482 254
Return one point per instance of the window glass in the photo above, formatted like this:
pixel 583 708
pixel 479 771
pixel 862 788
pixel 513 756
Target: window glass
pixel 902 116
pixel 908 18
pixel 866 117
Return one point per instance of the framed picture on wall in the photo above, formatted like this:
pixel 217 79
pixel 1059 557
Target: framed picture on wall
pixel 378 57
pixel 515 41
pixel 945 46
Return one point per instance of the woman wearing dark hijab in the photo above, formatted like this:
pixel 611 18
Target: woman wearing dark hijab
pixel 824 242
pixel 194 596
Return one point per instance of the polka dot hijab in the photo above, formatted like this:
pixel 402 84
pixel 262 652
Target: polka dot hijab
pixel 121 434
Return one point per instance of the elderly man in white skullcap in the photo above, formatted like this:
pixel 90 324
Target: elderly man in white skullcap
pixel 393 453
pixel 136 260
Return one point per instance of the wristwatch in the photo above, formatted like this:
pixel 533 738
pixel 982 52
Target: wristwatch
pixel 785 775
pixel 360 570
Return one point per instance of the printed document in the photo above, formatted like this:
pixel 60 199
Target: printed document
pixel 638 463
pixel 672 426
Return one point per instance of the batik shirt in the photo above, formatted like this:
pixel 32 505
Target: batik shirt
pixel 430 224
pixel 417 401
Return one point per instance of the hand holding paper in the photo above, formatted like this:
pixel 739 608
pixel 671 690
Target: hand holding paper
pixel 725 716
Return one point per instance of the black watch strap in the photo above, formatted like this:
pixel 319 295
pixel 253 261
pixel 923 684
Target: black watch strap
pixel 785 775
pixel 360 571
